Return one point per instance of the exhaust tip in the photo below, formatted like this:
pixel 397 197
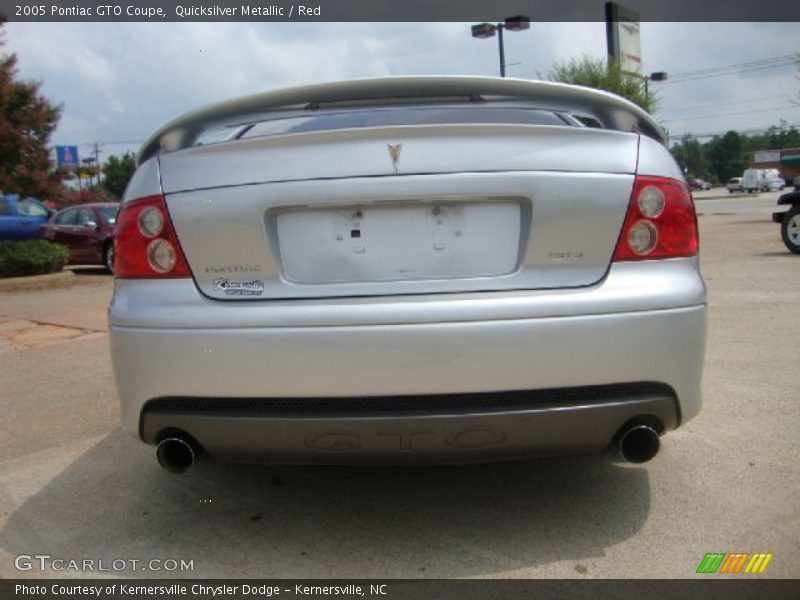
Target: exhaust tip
pixel 639 443
pixel 176 455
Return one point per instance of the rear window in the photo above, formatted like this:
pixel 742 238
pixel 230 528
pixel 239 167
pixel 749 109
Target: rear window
pixel 328 121
pixel 109 213
pixel 30 208
pixel 68 217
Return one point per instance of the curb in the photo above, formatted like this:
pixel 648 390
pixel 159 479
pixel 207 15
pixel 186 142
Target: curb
pixel 724 197
pixel 36 282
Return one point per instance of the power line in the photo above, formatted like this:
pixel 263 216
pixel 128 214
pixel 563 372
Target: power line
pixel 715 104
pixel 751 63
pixel 679 136
pixel 725 74
pixel 112 143
pixel 732 114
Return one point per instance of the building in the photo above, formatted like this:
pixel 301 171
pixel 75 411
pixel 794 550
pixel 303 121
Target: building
pixel 787 161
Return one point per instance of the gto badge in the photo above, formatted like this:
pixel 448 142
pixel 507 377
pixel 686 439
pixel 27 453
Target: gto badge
pixel 394 154
pixel 240 288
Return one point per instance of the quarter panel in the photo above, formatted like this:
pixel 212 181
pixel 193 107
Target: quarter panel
pixel 146 181
pixel 655 160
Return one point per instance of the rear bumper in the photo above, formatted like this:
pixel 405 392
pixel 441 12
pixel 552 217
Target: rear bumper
pixel 553 422
pixel 419 347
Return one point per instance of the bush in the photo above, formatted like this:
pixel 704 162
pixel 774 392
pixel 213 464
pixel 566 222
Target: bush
pixel 31 257
pixel 84 196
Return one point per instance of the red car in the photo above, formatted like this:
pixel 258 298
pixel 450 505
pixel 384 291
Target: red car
pixel 87 230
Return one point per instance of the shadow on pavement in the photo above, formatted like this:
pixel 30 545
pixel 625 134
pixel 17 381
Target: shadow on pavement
pixel 88 270
pixel 765 221
pixel 252 521
pixel 784 253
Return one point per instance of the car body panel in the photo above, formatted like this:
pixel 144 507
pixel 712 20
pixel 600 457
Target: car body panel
pixel 20 219
pixel 411 345
pixel 628 287
pixel 431 149
pixel 411 359
pixel 243 245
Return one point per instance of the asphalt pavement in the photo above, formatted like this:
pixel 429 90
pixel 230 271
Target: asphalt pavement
pixel 719 202
pixel 73 486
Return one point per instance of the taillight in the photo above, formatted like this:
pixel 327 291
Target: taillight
pixel 145 244
pixel 660 222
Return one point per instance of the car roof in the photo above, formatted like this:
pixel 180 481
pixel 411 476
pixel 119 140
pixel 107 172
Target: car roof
pixel 90 205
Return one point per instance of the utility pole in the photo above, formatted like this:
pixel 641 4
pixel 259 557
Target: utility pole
pixel 97 162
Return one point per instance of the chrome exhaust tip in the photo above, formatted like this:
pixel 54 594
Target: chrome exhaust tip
pixel 177 455
pixel 639 443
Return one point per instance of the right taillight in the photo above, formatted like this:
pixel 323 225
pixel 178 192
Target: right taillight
pixel 660 222
pixel 145 243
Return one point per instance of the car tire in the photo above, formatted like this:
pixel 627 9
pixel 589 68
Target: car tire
pixel 730 191
pixel 790 229
pixel 108 256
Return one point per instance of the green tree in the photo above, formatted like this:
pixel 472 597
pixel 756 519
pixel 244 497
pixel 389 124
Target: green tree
pixel 727 156
pixel 117 172
pixel 599 74
pixel 27 120
pixel 690 155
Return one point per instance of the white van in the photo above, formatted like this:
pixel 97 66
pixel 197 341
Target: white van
pixel 762 180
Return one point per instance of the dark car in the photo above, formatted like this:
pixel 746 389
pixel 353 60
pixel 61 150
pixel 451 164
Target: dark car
pixel 87 230
pixel 20 218
pixel 790 219
pixel 699 184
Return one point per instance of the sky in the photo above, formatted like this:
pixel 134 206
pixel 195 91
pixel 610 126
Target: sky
pixel 118 82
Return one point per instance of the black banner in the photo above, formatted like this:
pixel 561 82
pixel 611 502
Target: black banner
pixel 392 10
pixel 405 589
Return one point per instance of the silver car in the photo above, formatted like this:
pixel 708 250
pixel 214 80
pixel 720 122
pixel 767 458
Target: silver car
pixel 412 269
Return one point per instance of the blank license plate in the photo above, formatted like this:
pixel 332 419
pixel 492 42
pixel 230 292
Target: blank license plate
pixel 389 242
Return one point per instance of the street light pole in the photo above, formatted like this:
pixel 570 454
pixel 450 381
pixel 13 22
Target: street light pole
pixel 487 30
pixel 500 28
pixel 657 76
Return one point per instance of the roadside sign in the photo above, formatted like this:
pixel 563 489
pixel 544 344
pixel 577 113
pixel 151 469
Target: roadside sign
pixel 767 156
pixel 622 37
pixel 67 156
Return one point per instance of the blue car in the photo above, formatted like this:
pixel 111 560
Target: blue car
pixel 20 219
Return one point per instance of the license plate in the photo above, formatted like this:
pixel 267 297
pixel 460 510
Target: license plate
pixel 390 242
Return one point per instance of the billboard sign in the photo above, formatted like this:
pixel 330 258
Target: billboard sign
pixel 622 37
pixel 67 156
pixel 767 156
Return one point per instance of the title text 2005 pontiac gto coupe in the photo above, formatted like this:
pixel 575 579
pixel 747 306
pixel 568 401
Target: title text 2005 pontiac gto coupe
pixel 414 269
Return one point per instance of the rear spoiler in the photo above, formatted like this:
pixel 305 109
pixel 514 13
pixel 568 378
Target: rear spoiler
pixel 610 110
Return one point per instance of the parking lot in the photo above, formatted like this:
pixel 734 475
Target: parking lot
pixel 73 486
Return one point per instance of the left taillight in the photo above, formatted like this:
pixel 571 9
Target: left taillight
pixel 145 243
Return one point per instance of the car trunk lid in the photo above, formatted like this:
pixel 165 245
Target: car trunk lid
pixel 401 210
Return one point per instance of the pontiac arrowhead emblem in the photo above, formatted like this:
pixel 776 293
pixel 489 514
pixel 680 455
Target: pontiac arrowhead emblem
pixel 394 154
